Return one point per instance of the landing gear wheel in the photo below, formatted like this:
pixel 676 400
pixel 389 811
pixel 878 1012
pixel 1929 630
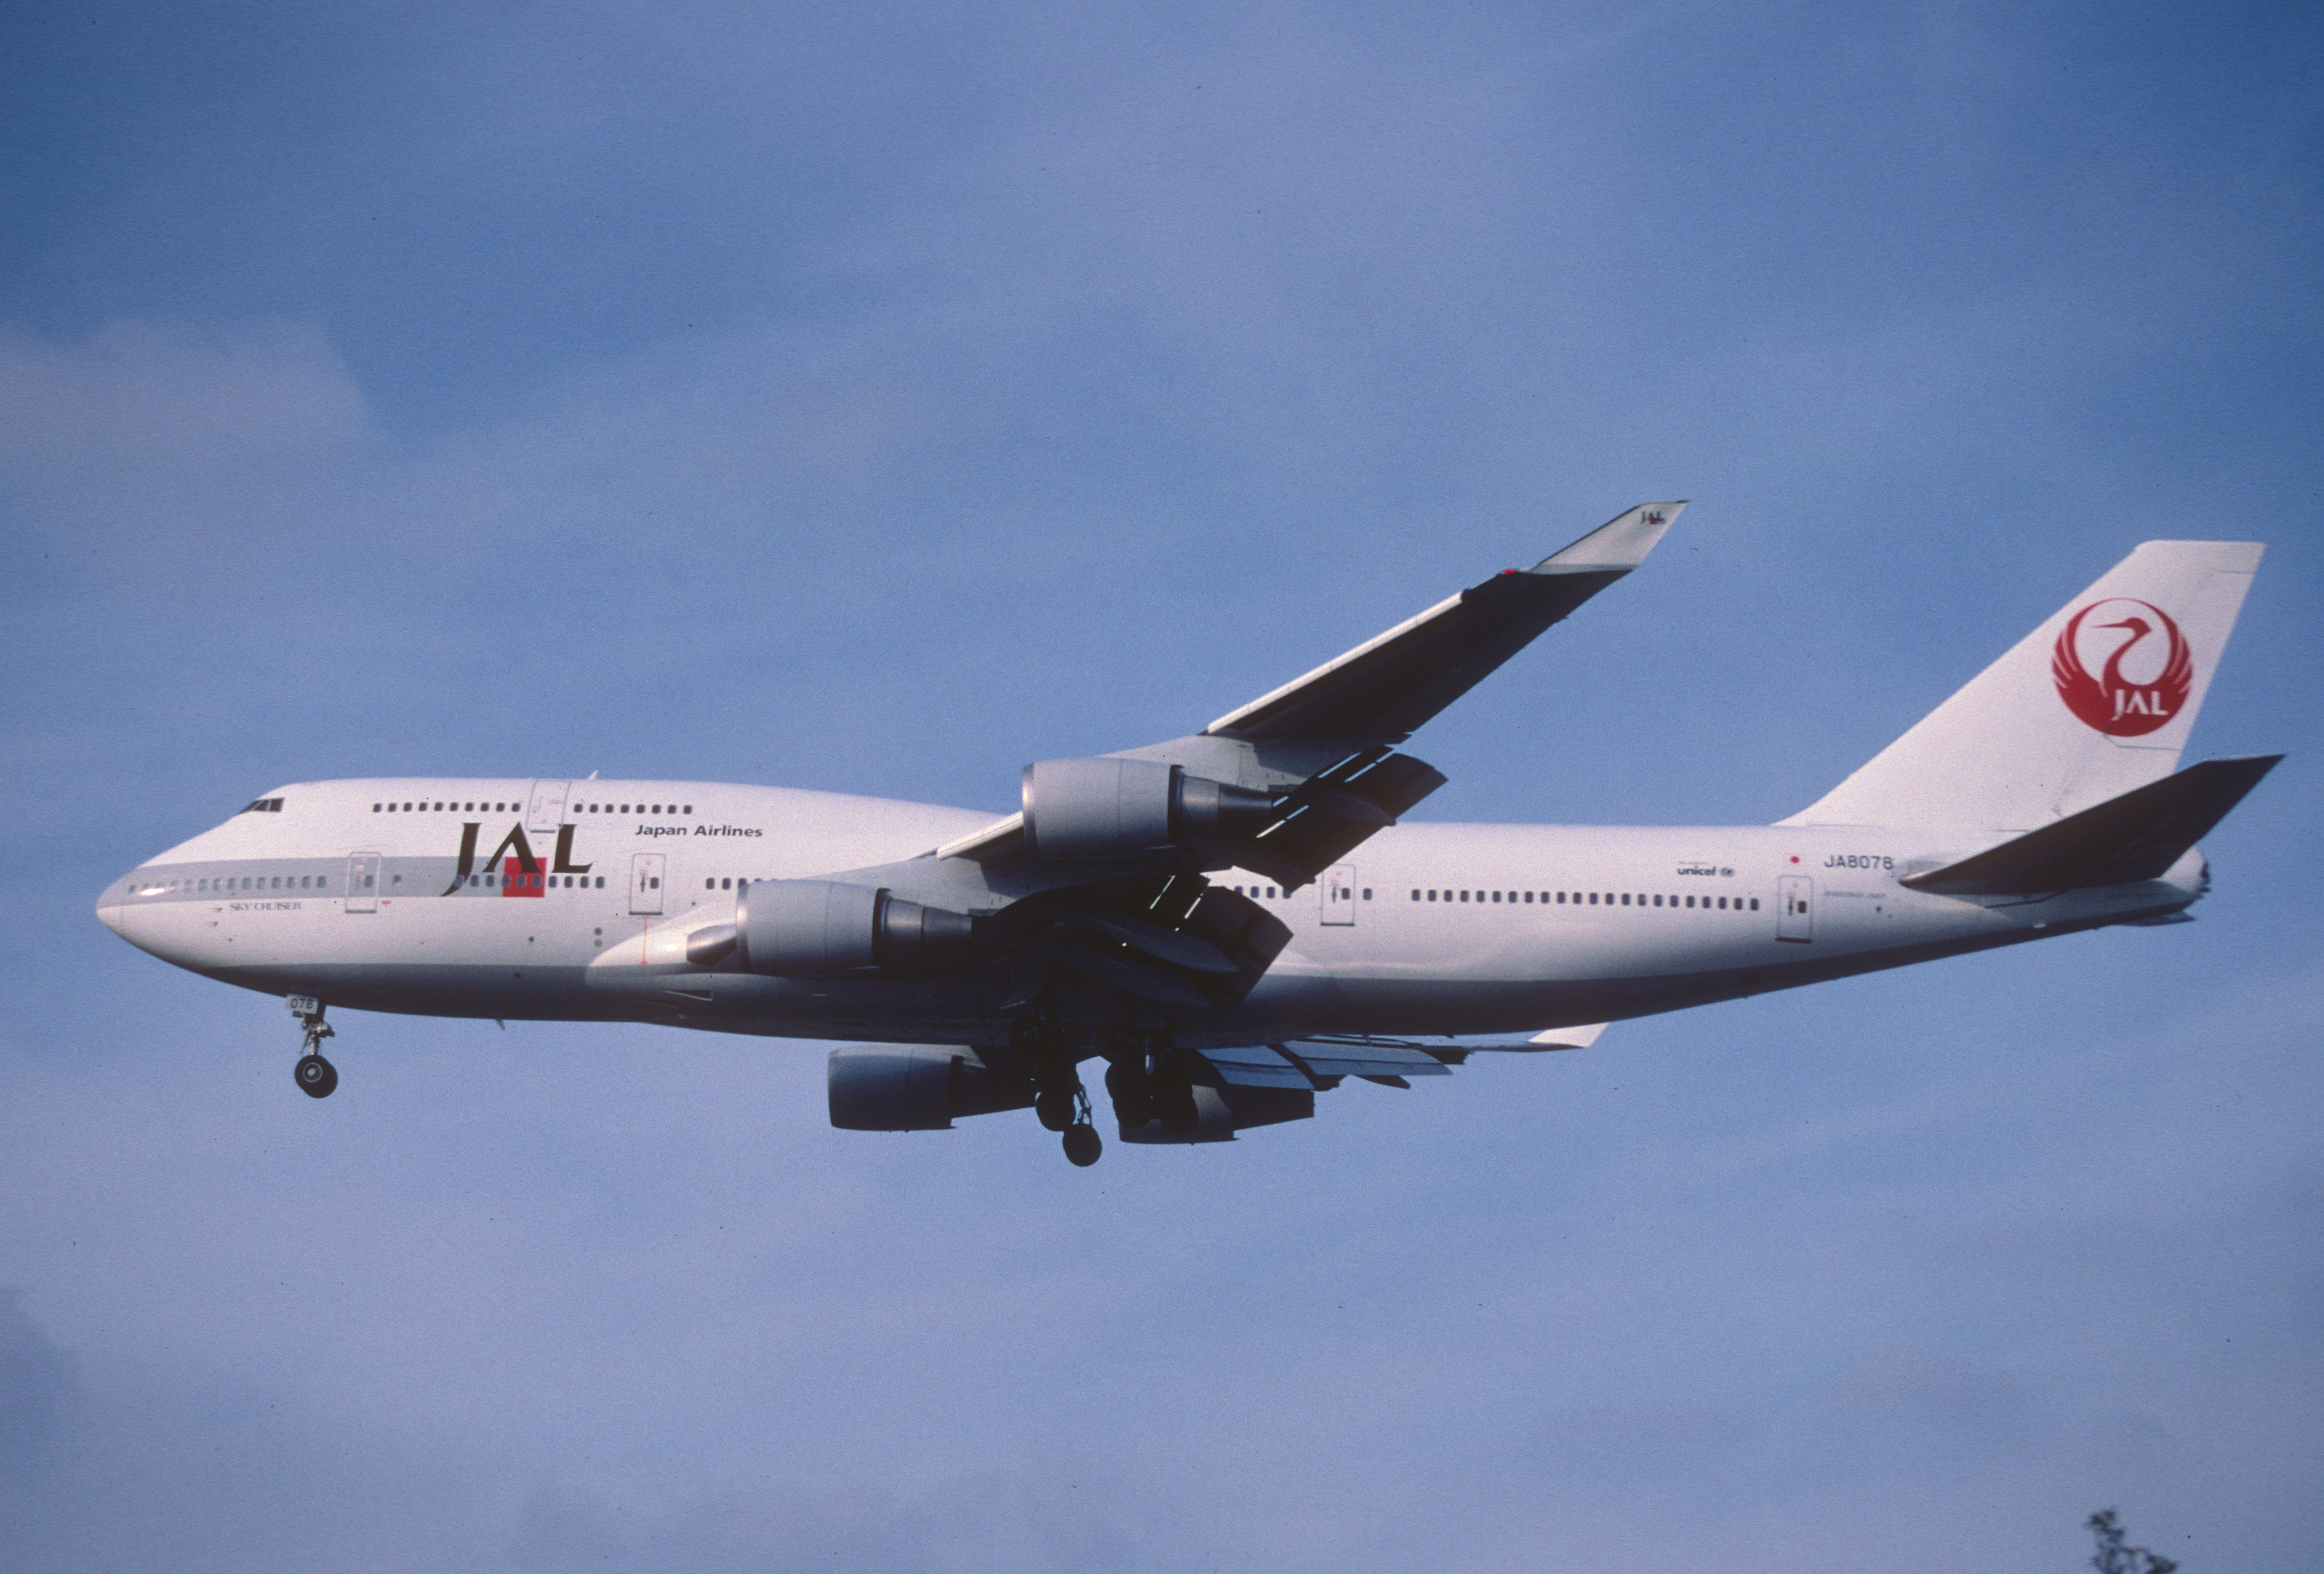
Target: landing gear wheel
pixel 1083 1144
pixel 1055 1109
pixel 316 1076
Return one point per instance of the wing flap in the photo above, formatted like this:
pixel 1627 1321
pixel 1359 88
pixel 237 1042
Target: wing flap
pixel 1329 1059
pixel 1256 1065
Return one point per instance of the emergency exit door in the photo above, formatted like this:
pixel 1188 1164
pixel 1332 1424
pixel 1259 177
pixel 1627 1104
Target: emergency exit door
pixel 645 881
pixel 545 809
pixel 1338 886
pixel 362 883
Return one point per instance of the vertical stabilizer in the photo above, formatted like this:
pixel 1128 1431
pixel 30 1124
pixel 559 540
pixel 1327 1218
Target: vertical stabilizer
pixel 2096 700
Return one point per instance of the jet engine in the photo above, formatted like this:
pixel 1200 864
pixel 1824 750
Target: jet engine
pixel 1112 808
pixel 916 1087
pixel 806 928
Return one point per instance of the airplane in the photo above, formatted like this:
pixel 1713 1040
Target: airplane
pixel 1241 919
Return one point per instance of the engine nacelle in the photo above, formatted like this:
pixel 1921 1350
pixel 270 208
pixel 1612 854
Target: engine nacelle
pixel 916 1087
pixel 809 928
pixel 1112 808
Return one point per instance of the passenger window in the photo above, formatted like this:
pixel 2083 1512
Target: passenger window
pixel 601 882
pixel 687 810
pixel 1754 904
pixel 1368 893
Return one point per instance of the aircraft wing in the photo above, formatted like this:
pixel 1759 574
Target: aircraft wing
pixel 1384 689
pixel 1107 861
pixel 1320 1063
pixel 1263 1084
pixel 1324 745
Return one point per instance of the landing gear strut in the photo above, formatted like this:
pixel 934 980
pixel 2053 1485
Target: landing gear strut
pixel 315 1075
pixel 1063 1104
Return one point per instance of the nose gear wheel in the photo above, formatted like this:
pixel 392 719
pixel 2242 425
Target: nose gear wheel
pixel 316 1076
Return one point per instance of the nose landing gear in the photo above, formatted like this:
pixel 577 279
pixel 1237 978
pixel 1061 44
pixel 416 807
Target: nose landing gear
pixel 315 1075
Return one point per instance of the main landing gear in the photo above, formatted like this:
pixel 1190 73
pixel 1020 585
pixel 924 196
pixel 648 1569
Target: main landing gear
pixel 1061 1104
pixel 1152 1085
pixel 315 1075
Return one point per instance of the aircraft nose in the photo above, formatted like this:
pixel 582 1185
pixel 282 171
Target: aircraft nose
pixel 113 908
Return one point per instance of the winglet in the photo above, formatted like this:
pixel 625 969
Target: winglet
pixel 1619 543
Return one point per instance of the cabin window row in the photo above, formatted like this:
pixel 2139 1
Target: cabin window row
pixel 1270 893
pixel 424 807
pixel 522 881
pixel 256 882
pixel 1594 899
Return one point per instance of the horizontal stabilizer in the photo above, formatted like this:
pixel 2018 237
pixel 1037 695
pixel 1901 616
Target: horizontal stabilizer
pixel 2137 836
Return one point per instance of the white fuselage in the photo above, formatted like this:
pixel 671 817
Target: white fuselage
pixel 548 899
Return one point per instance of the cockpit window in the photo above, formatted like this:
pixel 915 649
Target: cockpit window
pixel 261 806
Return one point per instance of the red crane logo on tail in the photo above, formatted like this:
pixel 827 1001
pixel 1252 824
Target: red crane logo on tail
pixel 2118 703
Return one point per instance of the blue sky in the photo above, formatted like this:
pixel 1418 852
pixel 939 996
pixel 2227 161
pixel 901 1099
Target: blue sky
pixel 878 401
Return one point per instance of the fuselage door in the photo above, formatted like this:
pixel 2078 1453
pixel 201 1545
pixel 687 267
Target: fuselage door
pixel 1339 887
pixel 362 883
pixel 546 810
pixel 645 881
pixel 1794 902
